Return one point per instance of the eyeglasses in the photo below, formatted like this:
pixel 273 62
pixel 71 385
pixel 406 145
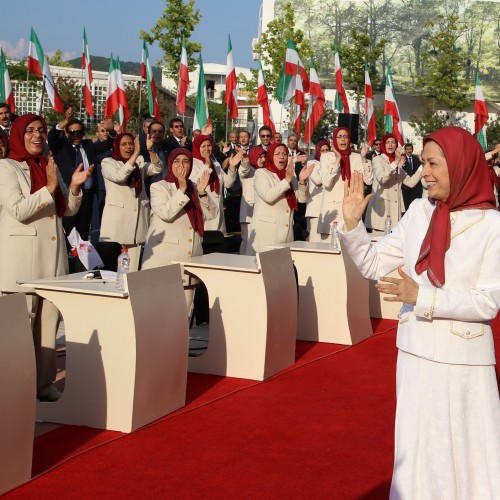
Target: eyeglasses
pixel 265 136
pixel 33 130
pixel 376 143
pixel 76 132
pixel 342 137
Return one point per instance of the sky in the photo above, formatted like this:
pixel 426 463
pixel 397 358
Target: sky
pixel 113 27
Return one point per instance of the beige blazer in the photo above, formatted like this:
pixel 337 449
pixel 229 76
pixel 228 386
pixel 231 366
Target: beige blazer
pixel 313 205
pixel 388 195
pixel 170 236
pixel 333 186
pixel 226 180
pixel 125 218
pixel 32 241
pixel 247 174
pixel 272 220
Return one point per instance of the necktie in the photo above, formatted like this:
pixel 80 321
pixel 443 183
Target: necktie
pixel 78 160
pixel 410 164
pixel 7 131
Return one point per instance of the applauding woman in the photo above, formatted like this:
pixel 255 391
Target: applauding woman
pixel 203 160
pixel 276 193
pixel 125 218
pixel 178 214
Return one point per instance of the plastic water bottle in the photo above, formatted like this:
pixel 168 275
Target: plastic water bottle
pixel 123 268
pixel 388 224
pixel 334 243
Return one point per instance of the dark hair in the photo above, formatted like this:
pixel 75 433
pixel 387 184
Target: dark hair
pixel 156 122
pixel 408 144
pixel 72 122
pixel 5 105
pixel 265 127
pixel 245 132
pixel 174 120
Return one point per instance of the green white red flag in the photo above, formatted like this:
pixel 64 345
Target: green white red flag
pixel 264 101
pixel 481 115
pixel 393 123
pixel 300 104
pixel 201 115
pixel 39 66
pixel 87 71
pixel 147 74
pixel 123 110
pixel 285 89
pixel 341 103
pixel 369 109
pixel 116 100
pixel 183 84
pixel 231 83
pixel 316 103
pixel 6 94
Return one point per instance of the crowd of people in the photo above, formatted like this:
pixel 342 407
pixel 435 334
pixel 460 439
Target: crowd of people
pixel 158 194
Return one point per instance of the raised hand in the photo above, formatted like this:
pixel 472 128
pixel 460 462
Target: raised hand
pixel 404 290
pixel 364 150
pixel 290 170
pixel 79 177
pixel 355 201
pixel 202 183
pixel 306 172
pixel 52 179
pixel 149 142
pixel 207 130
pixel 236 159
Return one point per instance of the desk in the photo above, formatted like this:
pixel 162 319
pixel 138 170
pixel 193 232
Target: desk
pixel 333 296
pixel 253 313
pixel 126 353
pixel 18 375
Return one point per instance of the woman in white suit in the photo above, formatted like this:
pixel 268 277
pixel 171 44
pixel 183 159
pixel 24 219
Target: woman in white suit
pixel 255 160
pixel 389 176
pixel 448 408
pixel 336 169
pixel 125 218
pixel 178 214
pixel 277 190
pixel 313 205
pixel 203 160
pixel 33 199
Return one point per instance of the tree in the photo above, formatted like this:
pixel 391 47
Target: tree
pixel 69 91
pixel 272 50
pixel 444 65
pixel 57 60
pixel 325 126
pixel 429 120
pixel 178 19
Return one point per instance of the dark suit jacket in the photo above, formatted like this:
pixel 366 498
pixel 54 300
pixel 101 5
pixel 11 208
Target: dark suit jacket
pixel 172 143
pixel 410 194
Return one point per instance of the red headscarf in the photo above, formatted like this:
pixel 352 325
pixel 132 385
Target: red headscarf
pixel 135 178
pixel 319 145
pixel 289 193
pixel 213 181
pixel 193 208
pixel 254 154
pixel 345 161
pixel 382 146
pixel 470 188
pixel 37 163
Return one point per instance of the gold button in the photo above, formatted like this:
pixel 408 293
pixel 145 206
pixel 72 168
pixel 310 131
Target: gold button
pixel 286 225
pixel 189 253
pixel 51 216
pixel 53 238
pixel 288 211
pixel 190 240
pixel 190 228
pixel 467 333
pixel 426 315
pixel 135 209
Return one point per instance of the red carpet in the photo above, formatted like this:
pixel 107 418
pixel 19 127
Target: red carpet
pixel 320 429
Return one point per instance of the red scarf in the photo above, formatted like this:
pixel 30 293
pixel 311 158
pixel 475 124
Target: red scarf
pixel 382 146
pixel 319 145
pixel 470 188
pixel 254 154
pixel 193 208
pixel 135 179
pixel 213 180
pixel 36 163
pixel 289 193
pixel 345 160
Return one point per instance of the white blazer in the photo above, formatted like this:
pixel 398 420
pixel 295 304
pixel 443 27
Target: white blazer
pixel 246 173
pixel 449 324
pixel 313 204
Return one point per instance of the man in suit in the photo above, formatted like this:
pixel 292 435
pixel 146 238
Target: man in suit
pixel 177 137
pixel 300 157
pixel 265 134
pixel 70 149
pixel 412 162
pixel 375 151
pixel 5 118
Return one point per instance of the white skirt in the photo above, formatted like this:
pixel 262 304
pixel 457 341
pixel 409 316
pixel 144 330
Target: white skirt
pixel 447 437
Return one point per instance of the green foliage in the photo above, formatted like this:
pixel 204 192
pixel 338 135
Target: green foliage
pixel 57 60
pixel 493 132
pixel 178 19
pixel 272 50
pixel 69 91
pixel 325 126
pixel 429 120
pixel 19 71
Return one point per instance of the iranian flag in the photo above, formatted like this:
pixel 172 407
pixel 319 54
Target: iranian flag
pixel 39 66
pixel 201 116
pixel 116 100
pixel 393 123
pixel 231 83
pixel 316 103
pixel 288 78
pixel 6 94
pixel 87 71
pixel 300 103
pixel 264 101
pixel 481 115
pixel 341 103
pixel 369 110
pixel 123 111
pixel 147 74
pixel 183 84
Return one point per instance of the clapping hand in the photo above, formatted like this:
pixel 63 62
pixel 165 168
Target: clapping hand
pixel 236 159
pixel 305 173
pixel 404 290
pixel 52 179
pixel 79 177
pixel 290 170
pixel 202 183
pixel 355 201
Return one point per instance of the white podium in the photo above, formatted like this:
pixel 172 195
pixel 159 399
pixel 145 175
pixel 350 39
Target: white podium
pixel 126 353
pixel 333 296
pixel 253 313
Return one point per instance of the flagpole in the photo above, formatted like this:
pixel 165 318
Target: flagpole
pixel 42 96
pixel 283 103
pixel 139 110
pixel 81 94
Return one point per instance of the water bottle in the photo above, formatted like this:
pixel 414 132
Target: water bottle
pixel 388 224
pixel 334 243
pixel 123 268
